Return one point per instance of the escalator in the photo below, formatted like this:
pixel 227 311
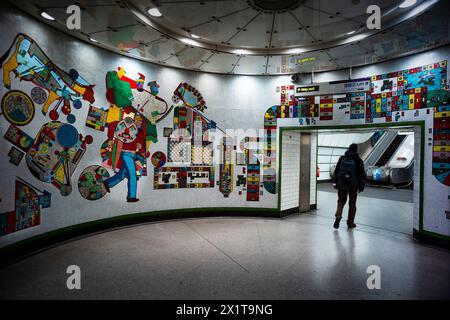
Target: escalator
pixel 378 146
pixel 395 166
pixel 388 158
pixel 401 165
pixel 387 155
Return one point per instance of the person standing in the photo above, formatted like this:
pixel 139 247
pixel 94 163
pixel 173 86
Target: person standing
pixel 349 178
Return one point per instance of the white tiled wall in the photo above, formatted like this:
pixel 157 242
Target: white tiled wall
pixel 417 155
pixel 290 173
pixel 327 157
pixel 312 192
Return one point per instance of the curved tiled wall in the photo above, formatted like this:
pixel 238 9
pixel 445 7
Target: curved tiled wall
pixel 86 132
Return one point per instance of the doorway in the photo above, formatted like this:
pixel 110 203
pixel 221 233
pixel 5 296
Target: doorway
pixel 391 155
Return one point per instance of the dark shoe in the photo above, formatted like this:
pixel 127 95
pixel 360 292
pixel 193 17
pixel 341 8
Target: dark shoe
pixel 106 187
pixel 351 225
pixel 132 199
pixel 336 223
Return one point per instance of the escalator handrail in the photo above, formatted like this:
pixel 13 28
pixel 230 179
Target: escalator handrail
pixel 387 139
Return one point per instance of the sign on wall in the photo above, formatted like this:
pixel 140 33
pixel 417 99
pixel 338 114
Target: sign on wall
pixel 306 89
pixel 356 85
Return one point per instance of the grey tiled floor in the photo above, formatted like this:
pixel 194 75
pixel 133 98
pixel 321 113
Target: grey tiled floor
pixel 383 208
pixel 299 257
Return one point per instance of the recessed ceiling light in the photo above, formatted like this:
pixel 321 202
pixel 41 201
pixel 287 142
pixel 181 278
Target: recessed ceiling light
pixel 189 42
pixel 195 36
pixel 351 32
pixel 154 12
pixel 92 39
pixel 45 15
pixel 407 3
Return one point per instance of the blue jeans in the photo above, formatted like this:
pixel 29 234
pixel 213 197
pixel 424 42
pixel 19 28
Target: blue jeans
pixel 127 170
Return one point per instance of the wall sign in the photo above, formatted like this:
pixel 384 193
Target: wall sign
pixel 350 86
pixel 307 59
pixel 307 89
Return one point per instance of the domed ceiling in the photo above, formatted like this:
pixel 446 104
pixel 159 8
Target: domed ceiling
pixel 259 37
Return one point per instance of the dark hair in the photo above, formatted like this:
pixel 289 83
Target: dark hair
pixel 353 147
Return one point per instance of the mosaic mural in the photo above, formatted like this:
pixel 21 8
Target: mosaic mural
pixel 188 144
pixel 135 108
pixel 185 155
pixel 390 95
pixel 248 169
pixel 91 182
pixel 27 208
pixel 55 153
pixel 96 118
pixel 55 87
pixel 183 177
pixel 17 108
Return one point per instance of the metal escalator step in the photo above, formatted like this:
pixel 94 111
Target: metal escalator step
pixel 390 150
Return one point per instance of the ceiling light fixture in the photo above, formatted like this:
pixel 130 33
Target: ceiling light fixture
pixel 154 12
pixel 45 15
pixel 195 36
pixel 241 51
pixel 407 3
pixel 295 51
pixel 357 37
pixel 189 42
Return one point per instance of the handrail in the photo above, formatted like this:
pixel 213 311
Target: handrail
pixel 380 147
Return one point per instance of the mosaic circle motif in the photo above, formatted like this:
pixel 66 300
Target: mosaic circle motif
pixel 54 115
pixel 25 142
pixel 17 107
pixel 175 99
pixel 77 104
pixel 90 182
pixel 66 108
pixel 65 190
pixel 38 95
pixel 159 159
pixel 73 74
pixel 88 139
pixel 67 136
pixel 71 118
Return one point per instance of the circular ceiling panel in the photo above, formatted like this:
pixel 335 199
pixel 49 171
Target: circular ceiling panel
pixel 253 36
pixel 270 26
pixel 274 4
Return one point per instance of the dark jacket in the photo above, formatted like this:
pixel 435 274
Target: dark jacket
pixel 360 171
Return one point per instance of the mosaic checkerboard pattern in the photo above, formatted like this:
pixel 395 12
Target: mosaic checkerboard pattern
pixel 179 152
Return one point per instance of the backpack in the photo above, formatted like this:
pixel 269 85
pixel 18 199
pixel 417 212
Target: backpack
pixel 347 174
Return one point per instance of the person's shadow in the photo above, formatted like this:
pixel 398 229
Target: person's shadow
pixel 347 252
pixel 344 271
